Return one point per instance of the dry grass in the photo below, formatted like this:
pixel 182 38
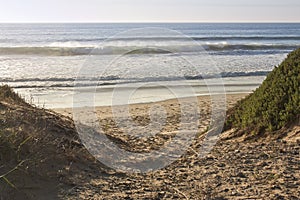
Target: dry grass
pixel 36 148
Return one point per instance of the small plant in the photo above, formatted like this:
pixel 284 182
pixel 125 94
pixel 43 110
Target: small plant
pixel 7 93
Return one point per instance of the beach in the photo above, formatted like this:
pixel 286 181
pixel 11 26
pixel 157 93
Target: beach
pixel 170 105
pixel 60 167
pixel 142 114
pixel 124 111
pixel 233 169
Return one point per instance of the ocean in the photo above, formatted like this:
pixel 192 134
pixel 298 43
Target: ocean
pixel 43 62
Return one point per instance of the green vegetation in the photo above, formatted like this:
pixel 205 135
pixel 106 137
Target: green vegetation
pixel 275 104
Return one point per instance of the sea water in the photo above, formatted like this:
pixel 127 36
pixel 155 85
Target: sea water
pixel 42 61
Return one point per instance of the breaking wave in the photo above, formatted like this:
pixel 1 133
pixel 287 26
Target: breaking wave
pixel 111 80
pixel 111 50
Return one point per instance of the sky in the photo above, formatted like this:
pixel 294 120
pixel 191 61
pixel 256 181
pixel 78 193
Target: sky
pixel 149 11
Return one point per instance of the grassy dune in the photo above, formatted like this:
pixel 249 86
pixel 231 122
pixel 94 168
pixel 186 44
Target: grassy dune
pixel 37 147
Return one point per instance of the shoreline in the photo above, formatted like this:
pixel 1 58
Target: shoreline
pixel 231 99
pixel 53 98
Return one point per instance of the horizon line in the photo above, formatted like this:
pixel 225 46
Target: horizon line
pixel 136 22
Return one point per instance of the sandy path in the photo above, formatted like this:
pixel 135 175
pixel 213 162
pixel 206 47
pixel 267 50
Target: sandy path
pixel 162 119
pixel 232 170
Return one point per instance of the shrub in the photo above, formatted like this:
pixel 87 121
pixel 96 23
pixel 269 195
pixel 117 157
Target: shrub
pixel 275 103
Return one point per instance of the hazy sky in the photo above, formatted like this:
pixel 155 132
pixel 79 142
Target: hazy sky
pixel 149 10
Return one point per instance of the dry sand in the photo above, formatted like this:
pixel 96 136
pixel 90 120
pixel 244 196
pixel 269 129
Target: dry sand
pixel 234 169
pixel 137 133
pixel 140 112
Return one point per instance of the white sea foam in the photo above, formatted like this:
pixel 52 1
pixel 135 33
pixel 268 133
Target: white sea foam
pixel 47 57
